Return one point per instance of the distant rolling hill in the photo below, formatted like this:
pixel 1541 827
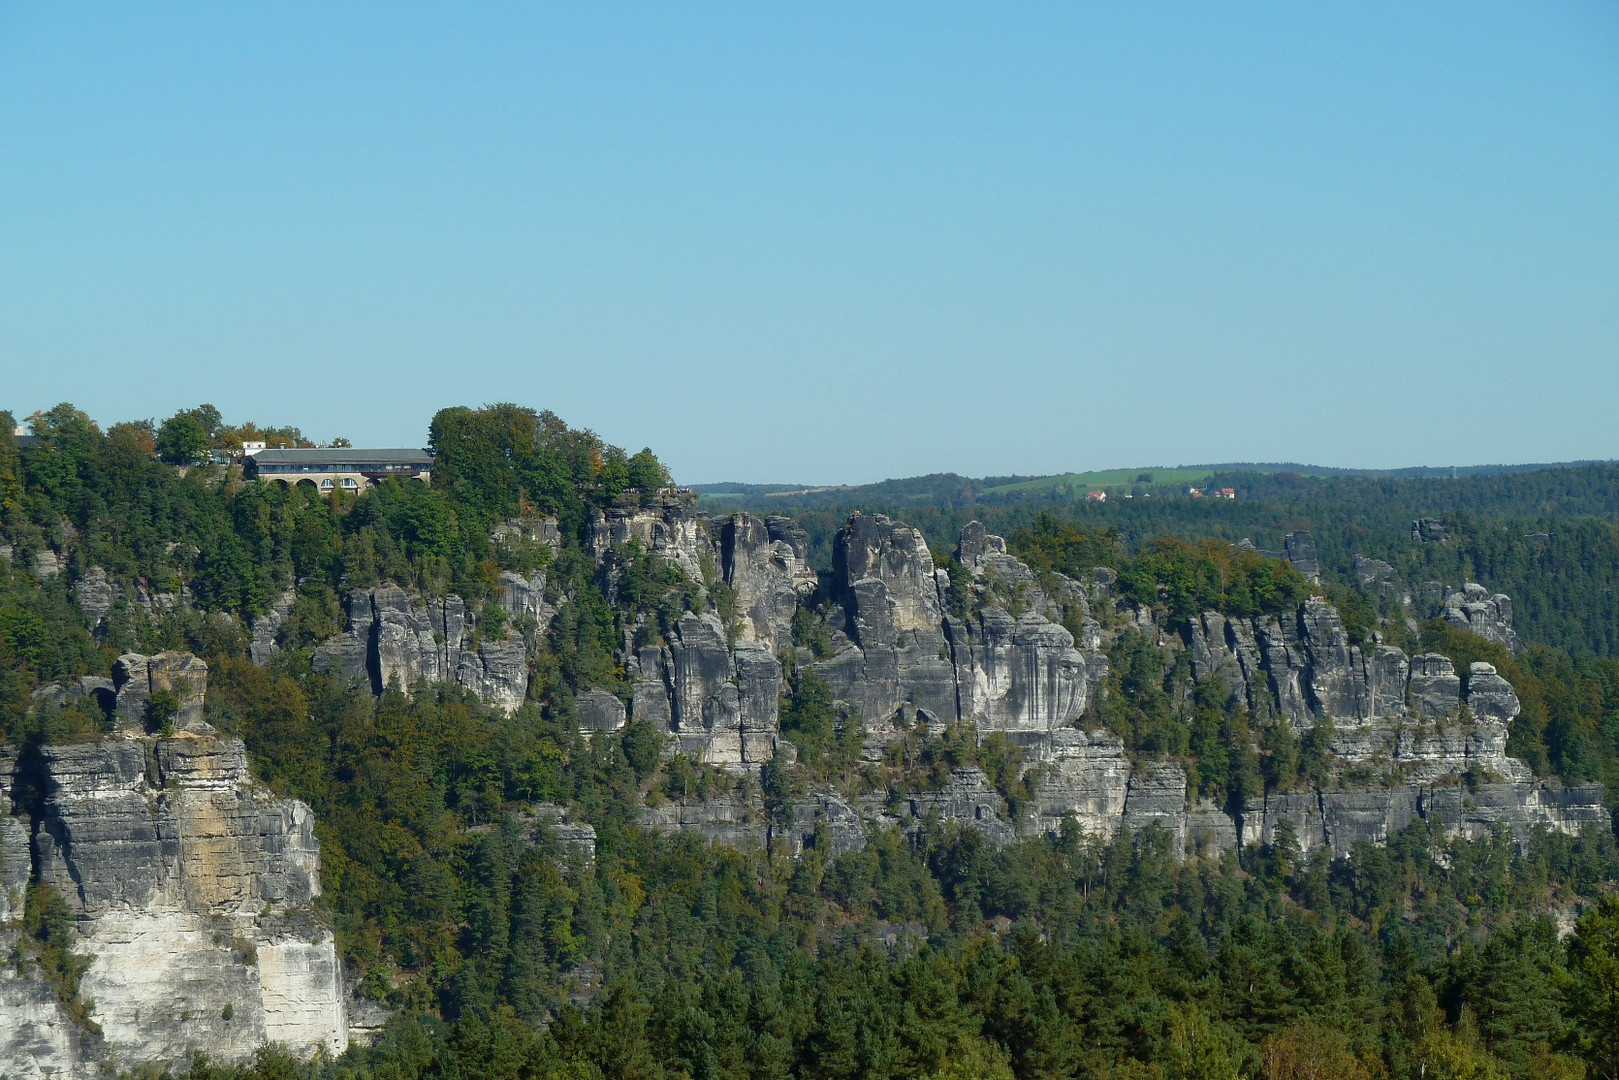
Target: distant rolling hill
pixel 951 488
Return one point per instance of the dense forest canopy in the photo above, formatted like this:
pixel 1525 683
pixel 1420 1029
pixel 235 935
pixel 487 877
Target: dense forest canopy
pixel 507 954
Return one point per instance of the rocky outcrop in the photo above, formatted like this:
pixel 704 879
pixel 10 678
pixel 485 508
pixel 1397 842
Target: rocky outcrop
pixel 969 799
pixel 1299 547
pixel 1371 573
pixel 666 525
pixel 1402 730
pixel 597 710
pixel 95 594
pixel 1474 608
pixel 522 598
pixel 180 675
pixel 396 639
pixel 1016 669
pixel 890 621
pixel 47 564
pixel 576 837
pixel 1435 690
pixel 719 704
pixel 1018 673
pixel 726 819
pixel 1428 531
pixel 534 530
pixel 265 633
pixel 193 889
pixel 766 564
pixel 1081 776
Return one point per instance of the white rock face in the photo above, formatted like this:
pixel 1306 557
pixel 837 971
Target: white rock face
pixel 37 1039
pixel 193 888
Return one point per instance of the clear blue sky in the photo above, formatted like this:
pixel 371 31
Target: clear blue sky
pixel 829 243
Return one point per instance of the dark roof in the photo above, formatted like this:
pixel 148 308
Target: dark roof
pixel 343 455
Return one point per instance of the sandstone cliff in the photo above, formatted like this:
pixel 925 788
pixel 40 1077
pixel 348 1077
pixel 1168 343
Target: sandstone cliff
pixel 191 887
pixel 401 640
pixel 1410 736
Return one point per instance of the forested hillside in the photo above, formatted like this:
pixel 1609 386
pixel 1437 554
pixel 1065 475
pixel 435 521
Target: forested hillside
pixel 895 942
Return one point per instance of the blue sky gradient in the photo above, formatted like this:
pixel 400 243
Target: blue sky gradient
pixel 829 243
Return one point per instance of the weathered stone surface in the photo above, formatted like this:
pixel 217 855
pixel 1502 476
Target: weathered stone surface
pixel 1490 698
pixel 37 1039
pixel 886 575
pixel 766 564
pixel 345 656
pixel 497 672
pixel 1299 547
pixel 1435 689
pixel 1018 673
pixel 1428 531
pixel 266 629
pixel 971 800
pixel 193 887
pixel 522 597
pixel 138 677
pixel 95 594
pixel 1013 672
pixel 578 837
pixel 15 862
pixel 1157 799
pixel 1372 572
pixel 825 819
pixel 1082 777
pixel 722 704
pixel 667 526
pixel 1350 817
pixel 537 530
pixel 1489 616
pixel 1210 832
pixel 724 819
pixel 598 710
pixel 396 639
pixel 1301 810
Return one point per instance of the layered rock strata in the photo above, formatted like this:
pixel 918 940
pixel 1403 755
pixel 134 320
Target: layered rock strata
pixel 192 889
